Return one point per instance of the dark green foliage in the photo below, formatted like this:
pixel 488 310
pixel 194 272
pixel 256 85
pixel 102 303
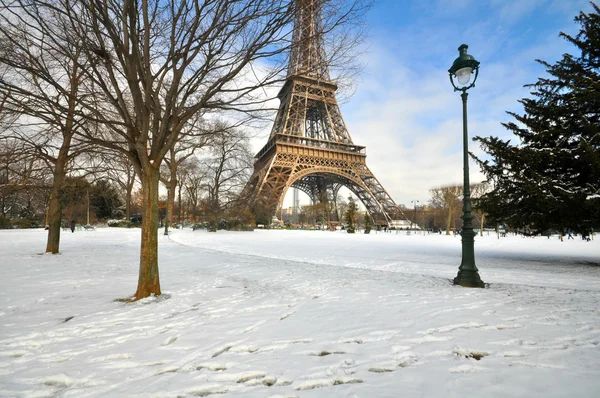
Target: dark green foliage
pixel 105 201
pixel 351 215
pixel 550 178
pixel 124 224
pixel 368 223
pixel 29 219
pixel 23 223
pixel 262 214
pixel 74 192
pixel 4 222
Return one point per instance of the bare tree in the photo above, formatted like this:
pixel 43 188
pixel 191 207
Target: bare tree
pixel 477 191
pixel 196 135
pixel 23 181
pixel 447 198
pixel 324 209
pixel 149 66
pixel 122 172
pixel 192 180
pixel 42 72
pixel 228 168
pixel 341 206
pixel 161 62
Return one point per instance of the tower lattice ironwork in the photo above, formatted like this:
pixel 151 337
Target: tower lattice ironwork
pixel 310 147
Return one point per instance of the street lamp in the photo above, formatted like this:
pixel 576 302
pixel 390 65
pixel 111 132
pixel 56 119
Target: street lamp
pixel 460 77
pixel 415 213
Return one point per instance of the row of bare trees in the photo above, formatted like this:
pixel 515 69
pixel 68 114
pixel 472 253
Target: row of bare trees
pixel 325 211
pixel 442 212
pixel 144 81
pixel 445 207
pixel 206 181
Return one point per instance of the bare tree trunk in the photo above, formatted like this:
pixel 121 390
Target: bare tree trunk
pixel 179 204
pixel 60 172
pixel 449 221
pixel 148 282
pixel 130 182
pixel 171 197
pixel 481 224
pixel 128 205
pixel 54 212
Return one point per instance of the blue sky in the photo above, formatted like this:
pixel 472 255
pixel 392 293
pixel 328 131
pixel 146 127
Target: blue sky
pixel 404 109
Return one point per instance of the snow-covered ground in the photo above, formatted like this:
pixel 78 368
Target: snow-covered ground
pixel 298 314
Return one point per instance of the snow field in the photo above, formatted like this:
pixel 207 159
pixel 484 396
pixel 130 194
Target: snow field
pixel 298 314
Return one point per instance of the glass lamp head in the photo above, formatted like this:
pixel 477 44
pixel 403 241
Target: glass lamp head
pixel 462 69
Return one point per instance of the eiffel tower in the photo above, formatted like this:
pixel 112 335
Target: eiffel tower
pixel 309 147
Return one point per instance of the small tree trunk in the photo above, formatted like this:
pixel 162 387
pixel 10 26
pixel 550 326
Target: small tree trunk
pixel 128 191
pixel 54 210
pixel 54 216
pixel 179 205
pixel 481 224
pixel 148 282
pixel 171 199
pixel 128 202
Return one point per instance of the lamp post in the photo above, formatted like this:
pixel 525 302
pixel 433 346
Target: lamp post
pixel 414 202
pixel 460 77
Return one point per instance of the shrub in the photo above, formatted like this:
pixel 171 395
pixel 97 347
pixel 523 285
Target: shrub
pixel 4 222
pixel 23 223
pixel 123 224
pixel 368 223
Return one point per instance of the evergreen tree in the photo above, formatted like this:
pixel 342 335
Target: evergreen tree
pixel 351 215
pixel 30 219
pixel 550 179
pixel 73 198
pixel 368 223
pixel 105 200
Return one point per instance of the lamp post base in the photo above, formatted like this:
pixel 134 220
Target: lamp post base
pixel 468 278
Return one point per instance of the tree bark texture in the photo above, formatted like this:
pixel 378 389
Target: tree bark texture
pixel 172 192
pixel 148 281
pixel 54 212
pixel 179 208
pixel 449 221
pixel 481 224
pixel 128 194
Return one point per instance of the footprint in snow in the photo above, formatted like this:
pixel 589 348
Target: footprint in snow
pixel 318 383
pixel 249 328
pixel 356 340
pixel 381 369
pixel 169 341
pixel 346 367
pixel 467 353
pixel 212 366
pixel 247 376
pixel 286 315
pixel 405 359
pixel 206 390
pixel 245 348
pixel 324 353
pixel 221 350
pixel 170 369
